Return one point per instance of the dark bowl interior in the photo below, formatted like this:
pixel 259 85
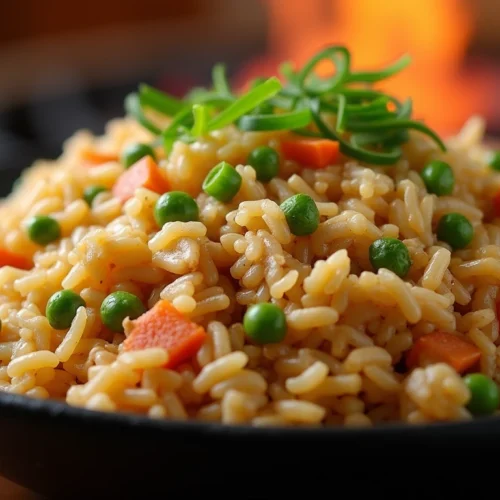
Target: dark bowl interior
pixel 66 452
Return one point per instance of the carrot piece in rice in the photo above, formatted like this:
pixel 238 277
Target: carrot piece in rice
pixel 443 347
pixel 313 153
pixel 144 173
pixel 164 326
pixel 8 258
pixel 94 158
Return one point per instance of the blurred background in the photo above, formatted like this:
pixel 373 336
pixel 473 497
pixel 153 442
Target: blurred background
pixel 66 66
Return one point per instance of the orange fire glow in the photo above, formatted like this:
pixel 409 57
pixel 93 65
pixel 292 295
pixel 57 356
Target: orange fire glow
pixel 377 32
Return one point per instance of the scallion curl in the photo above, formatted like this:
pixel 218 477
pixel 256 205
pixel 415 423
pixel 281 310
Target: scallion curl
pixel 377 76
pixel 341 59
pixel 133 108
pixel 284 121
pixel 370 125
pixel 221 85
pixel 246 103
pixel 159 101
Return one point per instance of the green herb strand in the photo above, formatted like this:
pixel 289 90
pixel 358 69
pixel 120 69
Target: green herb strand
pixel 246 103
pixel 159 101
pixel 340 58
pixel 369 124
pixel 221 85
pixel 133 108
pixel 285 121
pixel 377 76
pixel 200 113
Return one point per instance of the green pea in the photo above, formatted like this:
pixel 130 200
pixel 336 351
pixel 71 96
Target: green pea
pixel 222 182
pixel 62 307
pixel 438 178
pixel 455 229
pixel 175 206
pixel 485 396
pixel 43 229
pixel 120 305
pixel 494 160
pixel 392 254
pixel 91 192
pixel 302 214
pixel 136 152
pixel 265 323
pixel 266 163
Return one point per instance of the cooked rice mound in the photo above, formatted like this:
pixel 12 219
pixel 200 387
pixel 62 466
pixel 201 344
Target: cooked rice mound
pixel 349 328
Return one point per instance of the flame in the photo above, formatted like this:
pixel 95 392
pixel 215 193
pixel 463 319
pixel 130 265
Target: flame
pixel 435 33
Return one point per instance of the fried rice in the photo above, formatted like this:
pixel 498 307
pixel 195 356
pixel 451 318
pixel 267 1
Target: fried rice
pixel 350 327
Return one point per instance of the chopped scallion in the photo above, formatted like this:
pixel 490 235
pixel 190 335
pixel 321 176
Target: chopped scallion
pixel 285 121
pixel 200 113
pixel 369 124
pixel 245 103
pixel 159 101
pixel 133 108
pixel 221 85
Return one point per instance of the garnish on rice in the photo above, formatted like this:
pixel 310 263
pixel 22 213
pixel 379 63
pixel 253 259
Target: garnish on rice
pixel 368 124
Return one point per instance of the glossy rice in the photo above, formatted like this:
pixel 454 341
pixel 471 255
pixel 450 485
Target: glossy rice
pixel 348 326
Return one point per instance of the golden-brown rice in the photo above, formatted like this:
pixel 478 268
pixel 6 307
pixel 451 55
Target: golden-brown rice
pixel 348 326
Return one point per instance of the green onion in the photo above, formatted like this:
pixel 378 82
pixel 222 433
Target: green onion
pixel 375 108
pixel 285 121
pixel 341 115
pixel 341 60
pixel 159 101
pixel 357 95
pixel 221 84
pixel 373 157
pixel 133 108
pixel 397 138
pixel 180 122
pixel 286 69
pixel 406 109
pixel 283 102
pixel 379 103
pixel 245 103
pixel 370 125
pixel 208 97
pixel 376 76
pixel 380 138
pixel 257 81
pixel 200 113
pixel 307 133
pixel 397 124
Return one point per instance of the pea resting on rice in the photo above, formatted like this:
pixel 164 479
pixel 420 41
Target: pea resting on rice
pixel 377 292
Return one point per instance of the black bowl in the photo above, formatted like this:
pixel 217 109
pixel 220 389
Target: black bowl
pixel 65 452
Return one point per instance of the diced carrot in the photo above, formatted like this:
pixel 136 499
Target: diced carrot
pixel 443 347
pixel 164 326
pixel 8 258
pixel 144 173
pixel 93 158
pixel 496 204
pixel 314 153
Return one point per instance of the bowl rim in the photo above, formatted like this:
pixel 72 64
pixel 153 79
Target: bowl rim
pixel 28 408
